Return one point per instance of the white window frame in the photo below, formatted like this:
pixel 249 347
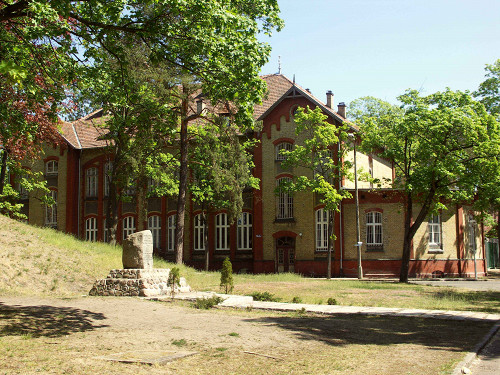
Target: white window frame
pixel 51 210
pixel 282 146
pixel 154 225
pixel 128 226
pixel 199 233
pixel 91 180
pixel 284 201
pixel 171 221
pixel 91 229
pixel 434 230
pixel 322 217
pixel 245 231
pixel 374 229
pixel 221 232
pixel 108 170
pixel 52 168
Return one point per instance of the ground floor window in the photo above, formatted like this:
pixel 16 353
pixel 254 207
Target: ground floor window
pixel 374 228
pixel 128 226
pixel 221 232
pixel 51 210
pixel 91 229
pixel 199 232
pixel 154 225
pixel 321 230
pixel 171 222
pixel 245 231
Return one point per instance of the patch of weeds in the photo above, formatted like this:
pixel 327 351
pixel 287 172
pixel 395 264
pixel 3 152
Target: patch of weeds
pixel 207 303
pixel 296 299
pixel 181 342
pixel 234 334
pixel 332 301
pixel 265 296
pixel 319 302
pixel 221 349
pixel 27 336
pixel 54 285
pixel 249 308
pixel 301 312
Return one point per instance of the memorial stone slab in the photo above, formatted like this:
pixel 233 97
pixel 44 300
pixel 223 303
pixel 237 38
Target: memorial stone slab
pixel 138 250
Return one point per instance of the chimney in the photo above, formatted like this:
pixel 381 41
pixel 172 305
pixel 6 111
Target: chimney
pixel 329 99
pixel 308 90
pixel 341 109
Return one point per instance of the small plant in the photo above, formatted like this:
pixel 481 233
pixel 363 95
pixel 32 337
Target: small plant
pixel 234 334
pixel 181 342
pixel 332 301
pixel 301 312
pixel 226 276
pixel 265 296
pixel 207 303
pixel 296 299
pixel 221 349
pixel 174 279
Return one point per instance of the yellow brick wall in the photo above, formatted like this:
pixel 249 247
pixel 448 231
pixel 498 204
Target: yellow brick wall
pixel 382 169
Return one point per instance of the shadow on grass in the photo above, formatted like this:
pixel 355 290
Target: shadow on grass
pixel 46 321
pixel 342 330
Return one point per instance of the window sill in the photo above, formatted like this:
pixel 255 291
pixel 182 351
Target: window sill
pixel 435 251
pixel 374 249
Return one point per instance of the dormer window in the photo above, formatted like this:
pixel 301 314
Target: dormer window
pixel 51 168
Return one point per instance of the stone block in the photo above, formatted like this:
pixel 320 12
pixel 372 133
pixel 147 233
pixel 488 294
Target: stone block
pixel 138 250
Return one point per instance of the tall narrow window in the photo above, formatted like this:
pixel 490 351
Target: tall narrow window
pixel 199 232
pixel 51 211
pixel 91 183
pixel 434 230
pixel 51 168
pixel 321 230
pixel 245 231
pixel 108 170
pixel 221 232
pixel 154 225
pixel 91 229
pixel 284 201
pixel 128 226
pixel 286 146
pixel 171 221
pixel 374 229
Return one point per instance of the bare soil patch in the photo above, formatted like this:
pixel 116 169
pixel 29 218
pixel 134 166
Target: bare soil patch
pixel 66 336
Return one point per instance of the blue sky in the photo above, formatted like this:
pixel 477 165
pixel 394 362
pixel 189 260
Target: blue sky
pixel 383 47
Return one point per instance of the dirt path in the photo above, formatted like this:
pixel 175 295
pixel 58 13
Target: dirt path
pixel 66 336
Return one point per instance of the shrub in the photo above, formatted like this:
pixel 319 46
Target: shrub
pixel 296 300
pixel 226 276
pixel 174 279
pixel 207 303
pixel 332 301
pixel 265 296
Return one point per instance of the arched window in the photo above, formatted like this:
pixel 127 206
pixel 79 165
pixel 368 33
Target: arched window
pixel 287 146
pixel 221 232
pixel 284 201
pixel 374 228
pixel 154 225
pixel 91 183
pixel 199 232
pixel 322 230
pixel 245 231
pixel 51 168
pixel 51 211
pixel 128 226
pixel 171 221
pixel 108 170
pixel 91 229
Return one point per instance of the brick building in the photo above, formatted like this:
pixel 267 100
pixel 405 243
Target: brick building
pixel 274 233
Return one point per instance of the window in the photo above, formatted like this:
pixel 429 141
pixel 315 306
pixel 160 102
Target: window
pixel 322 230
pixel 108 170
pixel 91 183
pixel 245 231
pixel 374 229
pixel 23 193
pixel 434 229
pixel 51 210
pixel 171 221
pixel 287 146
pixel 91 229
pixel 51 168
pixel 154 225
pixel 199 232
pixel 221 232
pixel 152 184
pixel 128 226
pixel 284 205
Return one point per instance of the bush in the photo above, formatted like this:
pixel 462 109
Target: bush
pixel 207 303
pixel 226 276
pixel 296 300
pixel 332 301
pixel 174 278
pixel 265 296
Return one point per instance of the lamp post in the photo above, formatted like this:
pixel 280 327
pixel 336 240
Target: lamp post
pixel 358 240
pixel 472 223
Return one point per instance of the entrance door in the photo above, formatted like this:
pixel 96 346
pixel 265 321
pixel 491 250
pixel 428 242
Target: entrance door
pixel 285 254
pixel 492 254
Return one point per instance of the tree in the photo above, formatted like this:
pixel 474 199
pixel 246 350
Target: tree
pixel 435 144
pixel 366 107
pixel 489 90
pixel 226 276
pixel 320 154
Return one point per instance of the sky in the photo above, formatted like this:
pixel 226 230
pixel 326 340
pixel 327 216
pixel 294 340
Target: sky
pixel 381 48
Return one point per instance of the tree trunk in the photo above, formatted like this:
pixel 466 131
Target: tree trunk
pixel 331 221
pixel 183 174
pixel 142 204
pixel 498 227
pixel 205 240
pixel 3 171
pixel 112 213
pixel 405 260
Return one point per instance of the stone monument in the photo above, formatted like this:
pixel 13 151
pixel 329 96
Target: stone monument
pixel 138 277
